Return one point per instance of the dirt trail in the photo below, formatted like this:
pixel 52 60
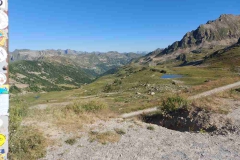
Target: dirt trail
pixel 136 113
pixel 216 90
pixel 204 94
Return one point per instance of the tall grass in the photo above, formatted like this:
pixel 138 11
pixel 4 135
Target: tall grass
pixel 25 142
pixel 81 107
pixel 74 117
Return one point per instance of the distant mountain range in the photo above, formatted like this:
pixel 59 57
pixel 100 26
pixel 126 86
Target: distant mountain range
pixel 223 31
pixel 99 62
pixel 51 70
pixel 216 42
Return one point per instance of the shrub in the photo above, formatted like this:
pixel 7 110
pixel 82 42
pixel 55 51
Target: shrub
pixel 163 71
pixel 144 68
pixel 172 104
pixel 202 131
pixel 14 89
pixel 80 107
pixel 117 82
pixel 71 141
pixel 150 128
pixel 107 88
pixel 112 87
pixel 238 90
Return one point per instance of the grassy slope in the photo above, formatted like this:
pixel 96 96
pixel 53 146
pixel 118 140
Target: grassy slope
pixel 124 91
pixel 228 58
pixel 44 76
pixel 129 88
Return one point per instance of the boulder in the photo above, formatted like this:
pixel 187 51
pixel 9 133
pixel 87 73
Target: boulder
pixel 152 93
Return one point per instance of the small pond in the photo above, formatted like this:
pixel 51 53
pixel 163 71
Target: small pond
pixel 171 76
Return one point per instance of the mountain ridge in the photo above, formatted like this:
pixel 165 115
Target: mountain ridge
pixel 223 31
pixel 54 70
pixel 100 62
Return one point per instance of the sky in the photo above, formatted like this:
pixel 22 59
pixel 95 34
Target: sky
pixel 108 25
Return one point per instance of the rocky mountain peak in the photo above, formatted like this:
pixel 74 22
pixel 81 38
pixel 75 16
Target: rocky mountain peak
pixel 225 30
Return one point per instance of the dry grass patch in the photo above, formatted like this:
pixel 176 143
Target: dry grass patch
pixel 212 104
pixel 233 93
pixel 218 103
pixel 104 138
pixel 213 84
pixel 75 116
pixel 27 143
pixel 83 106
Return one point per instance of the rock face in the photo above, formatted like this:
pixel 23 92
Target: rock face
pixel 224 31
pixel 225 28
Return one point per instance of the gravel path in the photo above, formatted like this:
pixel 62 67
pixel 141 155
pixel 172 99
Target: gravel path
pixel 204 94
pixel 133 114
pixel 216 90
pixel 139 143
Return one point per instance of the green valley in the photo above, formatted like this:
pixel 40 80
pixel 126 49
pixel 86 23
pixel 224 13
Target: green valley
pixel 64 95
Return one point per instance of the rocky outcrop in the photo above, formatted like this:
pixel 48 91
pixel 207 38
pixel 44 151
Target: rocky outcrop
pixel 220 33
pixel 225 28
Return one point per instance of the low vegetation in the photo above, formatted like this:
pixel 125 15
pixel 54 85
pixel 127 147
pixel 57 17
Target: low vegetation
pixel 104 138
pixel 71 141
pixel 130 88
pixel 211 104
pixel 172 104
pixel 233 94
pixel 73 118
pixel 216 103
pixel 150 128
pixel 80 107
pixel 45 76
pixel 26 142
pixel 115 86
pixel 14 89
